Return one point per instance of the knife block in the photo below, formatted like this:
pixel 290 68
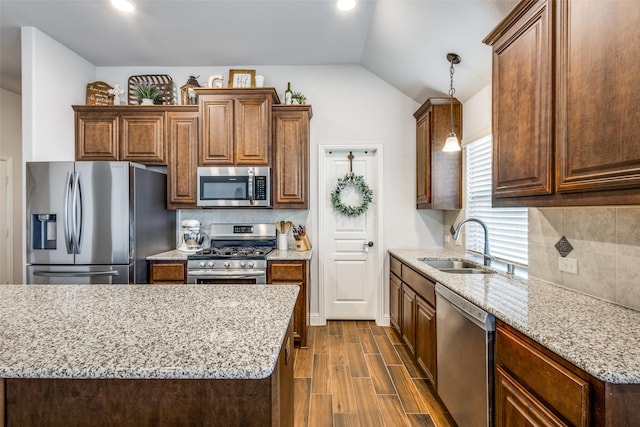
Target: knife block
pixel 302 244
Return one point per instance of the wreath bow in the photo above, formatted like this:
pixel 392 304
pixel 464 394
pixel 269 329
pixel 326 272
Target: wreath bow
pixel 359 184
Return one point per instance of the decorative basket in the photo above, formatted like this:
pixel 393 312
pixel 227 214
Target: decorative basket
pixel 163 82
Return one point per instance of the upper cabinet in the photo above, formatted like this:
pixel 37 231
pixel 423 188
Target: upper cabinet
pixel 291 156
pixel 438 174
pixel 565 104
pixel 182 139
pixel 236 126
pixel 121 133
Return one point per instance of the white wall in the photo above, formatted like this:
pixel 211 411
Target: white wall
pixel 53 79
pixel 10 146
pixel 477 115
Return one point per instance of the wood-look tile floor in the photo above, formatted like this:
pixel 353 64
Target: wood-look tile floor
pixel 355 373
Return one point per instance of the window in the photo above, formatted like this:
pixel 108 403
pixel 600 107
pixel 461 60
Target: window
pixel 507 226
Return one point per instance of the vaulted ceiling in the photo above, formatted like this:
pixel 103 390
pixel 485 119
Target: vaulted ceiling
pixel 404 42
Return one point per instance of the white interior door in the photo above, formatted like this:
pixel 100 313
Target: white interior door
pixel 350 272
pixel 6 259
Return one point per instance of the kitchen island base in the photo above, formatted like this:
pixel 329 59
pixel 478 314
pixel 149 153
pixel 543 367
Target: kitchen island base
pixel 158 402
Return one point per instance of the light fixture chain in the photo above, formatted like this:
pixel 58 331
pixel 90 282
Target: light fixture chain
pixel 452 91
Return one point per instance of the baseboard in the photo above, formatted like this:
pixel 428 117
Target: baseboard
pixel 385 320
pixel 316 320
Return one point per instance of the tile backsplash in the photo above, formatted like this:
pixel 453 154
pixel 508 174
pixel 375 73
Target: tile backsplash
pixel 606 242
pixel 239 216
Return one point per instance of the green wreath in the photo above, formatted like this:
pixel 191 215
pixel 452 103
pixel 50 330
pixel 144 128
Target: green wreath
pixel 357 182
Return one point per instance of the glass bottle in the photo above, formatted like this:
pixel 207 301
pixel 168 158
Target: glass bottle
pixel 287 95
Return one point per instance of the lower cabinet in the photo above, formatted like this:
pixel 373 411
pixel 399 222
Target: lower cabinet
pixel 412 313
pixel 294 273
pixel 395 299
pixel 426 337
pixel 168 272
pixel 534 386
pixel 409 317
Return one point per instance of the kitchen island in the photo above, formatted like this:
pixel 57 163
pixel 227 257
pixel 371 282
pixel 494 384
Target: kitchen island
pixel 146 355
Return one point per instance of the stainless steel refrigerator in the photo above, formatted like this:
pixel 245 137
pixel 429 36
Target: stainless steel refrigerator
pixel 95 222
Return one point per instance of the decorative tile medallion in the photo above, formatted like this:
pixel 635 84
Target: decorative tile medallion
pixel 563 247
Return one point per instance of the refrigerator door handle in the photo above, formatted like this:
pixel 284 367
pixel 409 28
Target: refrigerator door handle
pixel 74 273
pixel 68 238
pixel 77 213
pixel 81 207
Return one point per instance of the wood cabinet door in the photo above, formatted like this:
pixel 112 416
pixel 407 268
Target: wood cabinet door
pixel 97 135
pixel 408 317
pixel 293 273
pixel 423 161
pixel 142 138
pixel 598 96
pixel 516 407
pixel 252 118
pixel 291 157
pixel 426 338
pixel 522 104
pixel 395 295
pixel 217 130
pixel 182 140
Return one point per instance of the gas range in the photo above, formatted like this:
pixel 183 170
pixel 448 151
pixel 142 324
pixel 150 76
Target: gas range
pixel 238 255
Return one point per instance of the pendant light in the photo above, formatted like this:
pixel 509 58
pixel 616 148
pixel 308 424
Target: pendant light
pixel 452 143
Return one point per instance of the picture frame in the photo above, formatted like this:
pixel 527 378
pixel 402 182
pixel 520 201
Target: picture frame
pixel 242 78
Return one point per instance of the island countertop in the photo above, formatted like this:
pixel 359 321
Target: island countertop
pixel 600 337
pixel 142 331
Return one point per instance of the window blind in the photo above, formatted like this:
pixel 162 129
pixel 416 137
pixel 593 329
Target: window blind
pixel 507 226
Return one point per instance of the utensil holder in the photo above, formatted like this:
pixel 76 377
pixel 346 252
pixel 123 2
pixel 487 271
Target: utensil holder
pixel 283 241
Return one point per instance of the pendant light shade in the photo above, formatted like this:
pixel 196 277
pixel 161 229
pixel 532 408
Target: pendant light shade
pixel 452 143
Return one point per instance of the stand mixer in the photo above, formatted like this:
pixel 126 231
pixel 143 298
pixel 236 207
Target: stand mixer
pixel 191 238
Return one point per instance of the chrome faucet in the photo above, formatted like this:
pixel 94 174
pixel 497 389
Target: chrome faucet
pixel 455 232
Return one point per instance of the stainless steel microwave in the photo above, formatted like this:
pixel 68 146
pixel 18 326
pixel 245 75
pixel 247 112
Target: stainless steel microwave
pixel 234 187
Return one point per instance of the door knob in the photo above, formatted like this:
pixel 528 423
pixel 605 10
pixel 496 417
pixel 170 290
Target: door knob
pixel 367 245
pixel 370 244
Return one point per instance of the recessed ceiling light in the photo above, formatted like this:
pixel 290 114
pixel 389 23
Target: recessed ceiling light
pixel 346 4
pixel 123 5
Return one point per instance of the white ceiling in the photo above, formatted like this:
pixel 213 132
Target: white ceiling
pixel 404 42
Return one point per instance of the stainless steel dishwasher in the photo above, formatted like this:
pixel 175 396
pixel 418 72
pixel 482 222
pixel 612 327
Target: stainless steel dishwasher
pixel 465 350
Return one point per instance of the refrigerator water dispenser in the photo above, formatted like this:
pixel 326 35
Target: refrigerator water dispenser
pixel 44 231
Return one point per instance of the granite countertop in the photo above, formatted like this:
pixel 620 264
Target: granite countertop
pixel 599 337
pixel 275 255
pixel 142 331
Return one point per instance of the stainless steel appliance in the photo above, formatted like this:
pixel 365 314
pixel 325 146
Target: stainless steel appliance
pixel 465 354
pixel 95 222
pixel 238 255
pixel 223 186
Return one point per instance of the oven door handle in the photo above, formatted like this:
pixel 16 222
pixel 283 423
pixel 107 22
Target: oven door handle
pixel 226 274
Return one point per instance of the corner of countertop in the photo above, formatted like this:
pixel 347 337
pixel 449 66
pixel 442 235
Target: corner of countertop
pixel 277 255
pixel 172 255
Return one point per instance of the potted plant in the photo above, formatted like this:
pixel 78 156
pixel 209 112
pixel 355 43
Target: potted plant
pixel 147 93
pixel 298 98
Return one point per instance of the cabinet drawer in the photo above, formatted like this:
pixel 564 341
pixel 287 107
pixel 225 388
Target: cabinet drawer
pixel 423 286
pixel 281 272
pixel 395 266
pixel 548 380
pixel 168 272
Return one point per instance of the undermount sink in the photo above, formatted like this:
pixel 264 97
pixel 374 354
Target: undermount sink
pixel 456 266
